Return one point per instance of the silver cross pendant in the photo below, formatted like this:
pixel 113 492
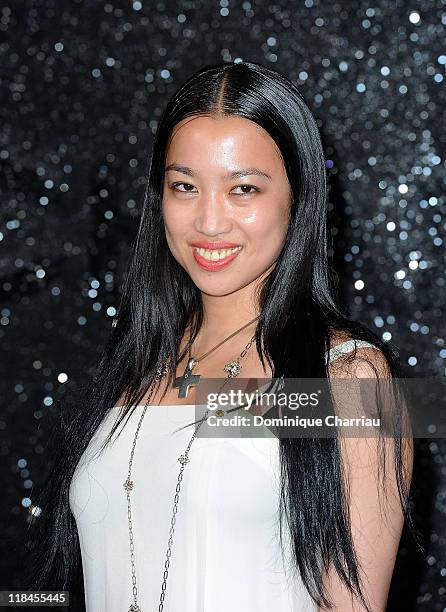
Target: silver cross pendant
pixel 187 379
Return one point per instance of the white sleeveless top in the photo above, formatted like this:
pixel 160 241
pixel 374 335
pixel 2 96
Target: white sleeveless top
pixel 226 554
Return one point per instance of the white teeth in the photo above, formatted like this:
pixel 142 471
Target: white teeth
pixel 216 254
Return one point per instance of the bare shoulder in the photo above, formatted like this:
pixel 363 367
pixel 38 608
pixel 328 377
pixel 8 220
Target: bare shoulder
pixel 362 362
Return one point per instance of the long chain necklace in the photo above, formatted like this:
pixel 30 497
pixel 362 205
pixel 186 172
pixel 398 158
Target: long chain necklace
pixel 233 369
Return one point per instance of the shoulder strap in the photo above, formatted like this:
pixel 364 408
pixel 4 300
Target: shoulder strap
pixel 346 347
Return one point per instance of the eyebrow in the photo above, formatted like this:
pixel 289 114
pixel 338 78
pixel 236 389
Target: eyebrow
pixel 230 175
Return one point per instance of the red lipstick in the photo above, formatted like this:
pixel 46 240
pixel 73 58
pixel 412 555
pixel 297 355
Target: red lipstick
pixel 205 244
pixel 214 265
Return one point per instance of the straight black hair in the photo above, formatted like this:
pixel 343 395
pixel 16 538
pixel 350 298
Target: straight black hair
pixel 299 315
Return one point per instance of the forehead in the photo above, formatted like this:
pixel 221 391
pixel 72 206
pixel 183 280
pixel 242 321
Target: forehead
pixel 222 141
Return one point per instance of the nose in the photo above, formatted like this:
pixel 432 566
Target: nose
pixel 212 215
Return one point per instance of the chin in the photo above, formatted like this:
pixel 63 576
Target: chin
pixel 218 290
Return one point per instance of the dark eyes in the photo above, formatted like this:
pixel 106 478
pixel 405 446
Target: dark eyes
pixel 189 187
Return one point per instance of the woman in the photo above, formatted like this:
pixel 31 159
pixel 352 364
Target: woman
pixel 231 254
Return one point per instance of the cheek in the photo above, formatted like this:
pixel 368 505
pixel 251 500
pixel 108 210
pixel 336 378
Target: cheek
pixel 174 221
pixel 266 231
pixel 173 230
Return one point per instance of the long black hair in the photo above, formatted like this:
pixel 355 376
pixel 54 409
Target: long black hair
pixel 299 315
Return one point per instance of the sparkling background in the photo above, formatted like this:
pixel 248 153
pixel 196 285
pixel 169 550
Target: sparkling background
pixel 83 84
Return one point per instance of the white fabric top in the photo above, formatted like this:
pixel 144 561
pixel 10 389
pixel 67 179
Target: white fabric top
pixel 226 554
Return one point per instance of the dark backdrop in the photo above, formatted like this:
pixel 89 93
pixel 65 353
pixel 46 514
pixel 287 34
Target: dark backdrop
pixel 83 84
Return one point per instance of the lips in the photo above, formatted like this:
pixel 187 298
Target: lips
pixel 205 244
pixel 218 264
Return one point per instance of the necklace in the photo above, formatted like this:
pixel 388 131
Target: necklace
pixel 188 379
pixel 233 371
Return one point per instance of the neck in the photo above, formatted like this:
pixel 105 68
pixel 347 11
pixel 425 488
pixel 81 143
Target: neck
pixel 225 314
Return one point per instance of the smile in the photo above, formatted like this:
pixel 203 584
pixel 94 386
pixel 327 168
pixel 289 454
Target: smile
pixel 216 254
pixel 215 259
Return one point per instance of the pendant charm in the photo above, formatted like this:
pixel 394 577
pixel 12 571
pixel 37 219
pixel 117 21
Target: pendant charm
pixel 187 380
pixel 134 608
pixel 183 459
pixel 128 485
pixel 233 368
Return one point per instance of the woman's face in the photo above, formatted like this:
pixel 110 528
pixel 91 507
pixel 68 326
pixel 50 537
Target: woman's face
pixel 226 202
